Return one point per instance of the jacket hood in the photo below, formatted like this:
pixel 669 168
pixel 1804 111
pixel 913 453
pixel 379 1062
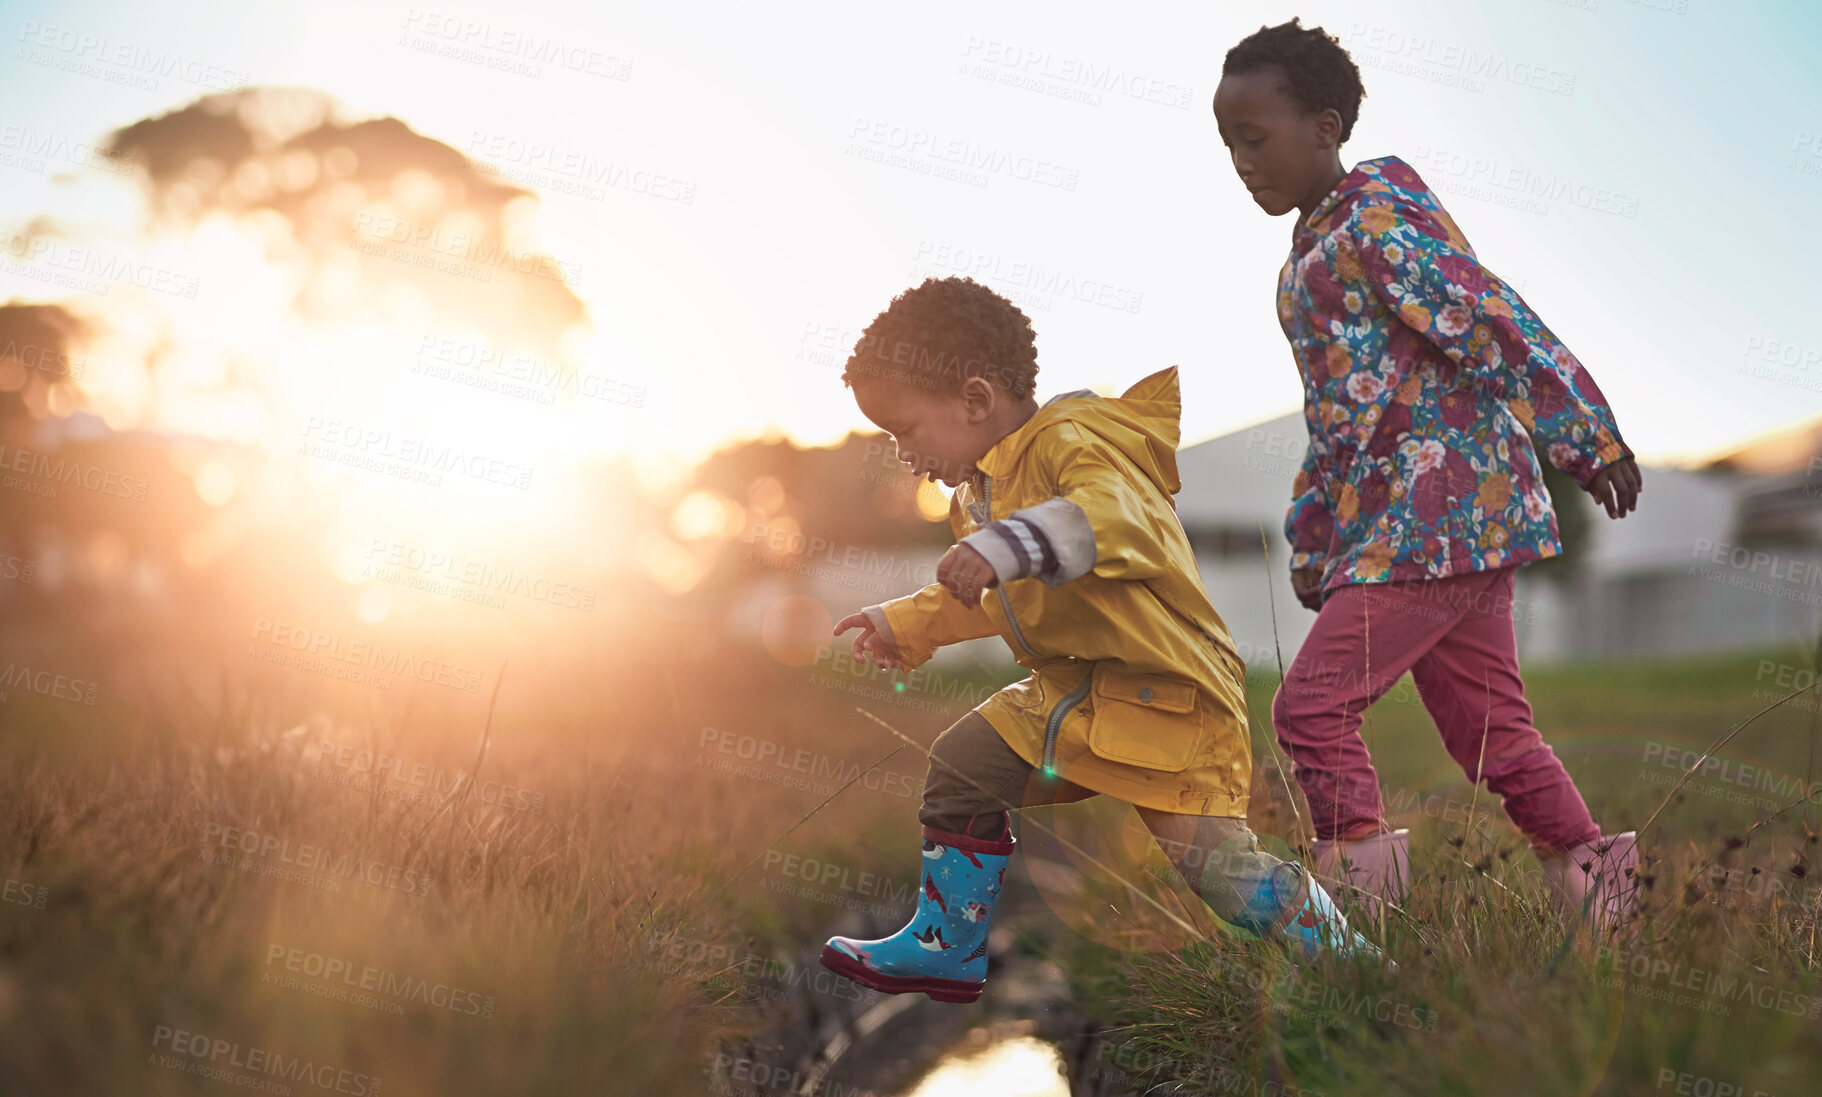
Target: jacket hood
pixel 1387 180
pixel 1143 423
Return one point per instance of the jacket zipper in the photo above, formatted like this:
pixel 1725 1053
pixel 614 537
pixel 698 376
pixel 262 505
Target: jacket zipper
pixel 1063 707
pixel 1005 602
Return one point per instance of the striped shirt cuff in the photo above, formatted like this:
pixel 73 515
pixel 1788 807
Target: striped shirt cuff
pixel 1067 536
pixel 1014 547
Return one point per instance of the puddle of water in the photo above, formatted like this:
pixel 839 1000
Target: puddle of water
pixel 1022 1066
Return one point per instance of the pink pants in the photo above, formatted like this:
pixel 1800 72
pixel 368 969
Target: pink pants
pixel 1455 637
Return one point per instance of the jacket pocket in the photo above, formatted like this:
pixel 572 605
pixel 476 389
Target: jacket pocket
pixel 1146 720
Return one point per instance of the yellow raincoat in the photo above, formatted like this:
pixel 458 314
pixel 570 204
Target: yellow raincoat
pixel 1135 687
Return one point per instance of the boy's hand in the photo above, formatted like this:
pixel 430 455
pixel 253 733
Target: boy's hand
pixel 881 649
pixel 1307 582
pixel 965 573
pixel 1617 487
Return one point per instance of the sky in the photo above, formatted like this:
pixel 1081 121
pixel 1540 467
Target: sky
pixel 742 187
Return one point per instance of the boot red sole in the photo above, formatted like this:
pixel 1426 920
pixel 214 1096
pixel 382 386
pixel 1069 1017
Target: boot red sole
pixel 939 990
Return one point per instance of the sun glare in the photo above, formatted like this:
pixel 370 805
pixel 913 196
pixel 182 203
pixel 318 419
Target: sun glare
pixel 1023 1066
pixel 932 501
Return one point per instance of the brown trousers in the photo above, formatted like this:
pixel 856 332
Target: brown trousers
pixel 974 775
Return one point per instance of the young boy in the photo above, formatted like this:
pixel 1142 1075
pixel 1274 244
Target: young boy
pixel 1068 547
pixel 1419 494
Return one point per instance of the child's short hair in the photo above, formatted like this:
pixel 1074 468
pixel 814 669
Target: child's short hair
pixel 1318 73
pixel 943 332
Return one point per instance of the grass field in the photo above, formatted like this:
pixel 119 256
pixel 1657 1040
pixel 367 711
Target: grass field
pixel 1718 989
pixel 231 885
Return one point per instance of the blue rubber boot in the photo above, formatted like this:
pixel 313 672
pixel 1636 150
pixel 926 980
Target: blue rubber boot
pixel 942 952
pixel 1315 923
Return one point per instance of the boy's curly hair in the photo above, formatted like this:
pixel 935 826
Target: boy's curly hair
pixel 937 335
pixel 1318 73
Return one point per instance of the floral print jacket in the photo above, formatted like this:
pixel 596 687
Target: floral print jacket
pixel 1422 374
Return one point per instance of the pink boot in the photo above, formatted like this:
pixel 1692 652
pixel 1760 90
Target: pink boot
pixel 1371 868
pixel 1597 877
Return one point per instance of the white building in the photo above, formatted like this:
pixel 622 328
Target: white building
pixel 1727 557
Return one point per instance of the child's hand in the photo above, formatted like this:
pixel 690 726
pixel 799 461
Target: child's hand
pixel 1617 487
pixel 883 651
pixel 1307 582
pixel 965 573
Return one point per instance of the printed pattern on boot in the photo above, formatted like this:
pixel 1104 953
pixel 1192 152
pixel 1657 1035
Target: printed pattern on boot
pixel 1317 925
pixel 942 951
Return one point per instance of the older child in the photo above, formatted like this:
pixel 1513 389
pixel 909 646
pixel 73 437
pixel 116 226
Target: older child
pixel 1419 494
pixel 1069 548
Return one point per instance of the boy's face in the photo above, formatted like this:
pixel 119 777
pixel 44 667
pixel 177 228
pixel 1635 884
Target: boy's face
pixel 1279 152
pixel 939 434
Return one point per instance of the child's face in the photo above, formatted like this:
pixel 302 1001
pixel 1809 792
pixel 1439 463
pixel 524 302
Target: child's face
pixel 1279 152
pixel 939 434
